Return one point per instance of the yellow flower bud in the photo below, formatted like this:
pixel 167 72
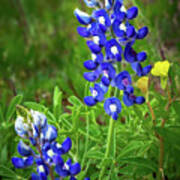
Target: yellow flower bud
pixel 161 68
pixel 142 84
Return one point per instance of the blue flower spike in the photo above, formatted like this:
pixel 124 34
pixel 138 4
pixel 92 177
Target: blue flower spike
pixel 110 35
pixel 47 154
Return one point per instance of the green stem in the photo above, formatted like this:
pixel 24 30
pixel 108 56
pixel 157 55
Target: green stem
pixel 87 140
pixel 109 141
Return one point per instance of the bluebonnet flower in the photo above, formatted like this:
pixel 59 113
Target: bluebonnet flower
pixel 121 13
pixel 112 107
pixel 113 50
pixel 102 19
pixel 24 149
pixel 140 71
pixel 22 162
pixel 97 42
pixel 129 99
pixel 91 76
pixel 123 80
pixel 123 29
pixel 131 56
pixel 21 126
pixel 47 154
pixel 94 62
pixel 97 95
pixel 82 17
pixel 108 73
pixel 142 33
pixel 68 169
pixel 89 30
pixel 110 36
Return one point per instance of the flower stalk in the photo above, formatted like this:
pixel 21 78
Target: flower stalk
pixel 47 154
pixel 109 142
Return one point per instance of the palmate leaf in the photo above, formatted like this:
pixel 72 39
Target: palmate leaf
pixel 12 107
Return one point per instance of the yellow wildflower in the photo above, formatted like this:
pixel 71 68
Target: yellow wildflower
pixel 142 84
pixel 161 68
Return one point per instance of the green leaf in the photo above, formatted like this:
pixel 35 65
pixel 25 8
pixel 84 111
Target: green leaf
pixel 1 115
pixel 6 172
pixel 164 81
pixel 140 162
pixel 12 107
pixel 57 102
pixel 131 147
pixel 75 101
pixel 93 117
pixel 40 108
pixel 127 170
pixel 50 116
pixel 36 106
pixel 176 106
pixel 94 154
pixel 171 135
